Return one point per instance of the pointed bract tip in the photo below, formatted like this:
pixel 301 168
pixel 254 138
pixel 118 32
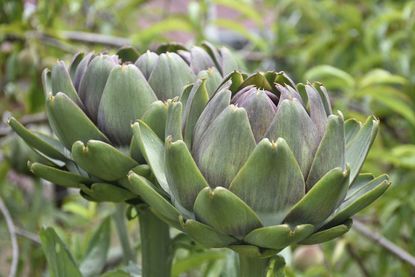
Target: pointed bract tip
pixel 10 119
pixel 130 175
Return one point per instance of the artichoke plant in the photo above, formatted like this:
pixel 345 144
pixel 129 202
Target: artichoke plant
pixel 92 103
pixel 262 164
pixel 90 108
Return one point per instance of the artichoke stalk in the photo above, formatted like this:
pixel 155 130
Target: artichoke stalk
pixel 258 165
pixel 90 107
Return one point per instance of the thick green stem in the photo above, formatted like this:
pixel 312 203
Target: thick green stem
pixel 249 266
pixel 120 223
pixel 261 267
pixel 155 244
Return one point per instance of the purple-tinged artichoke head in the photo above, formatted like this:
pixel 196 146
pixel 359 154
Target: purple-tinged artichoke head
pixel 91 105
pixel 261 165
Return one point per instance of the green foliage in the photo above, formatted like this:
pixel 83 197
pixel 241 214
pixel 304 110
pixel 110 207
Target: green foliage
pixel 362 51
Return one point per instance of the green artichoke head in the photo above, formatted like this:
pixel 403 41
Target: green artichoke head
pixel 92 103
pixel 262 164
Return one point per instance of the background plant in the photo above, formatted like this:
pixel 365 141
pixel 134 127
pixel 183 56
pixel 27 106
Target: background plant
pixel 308 39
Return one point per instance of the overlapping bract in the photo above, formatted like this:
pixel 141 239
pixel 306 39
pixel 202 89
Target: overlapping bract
pixel 92 103
pixel 261 165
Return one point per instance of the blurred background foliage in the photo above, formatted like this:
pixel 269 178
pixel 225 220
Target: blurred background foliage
pixel 362 51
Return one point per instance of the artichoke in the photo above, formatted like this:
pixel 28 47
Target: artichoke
pixel 92 103
pixel 262 164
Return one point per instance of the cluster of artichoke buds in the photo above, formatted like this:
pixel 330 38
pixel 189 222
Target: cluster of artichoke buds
pixel 92 103
pixel 258 165
pixel 250 162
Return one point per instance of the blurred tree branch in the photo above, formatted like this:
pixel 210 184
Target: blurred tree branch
pixel 12 230
pixel 93 38
pixel 392 248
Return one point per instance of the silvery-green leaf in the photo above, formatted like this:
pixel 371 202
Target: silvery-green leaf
pixel 93 83
pixel 142 187
pixel 81 68
pixel 200 59
pixel 206 235
pixel 76 60
pixel 358 147
pixel 213 108
pixel 270 182
pixel 360 199
pixel 184 184
pixel 126 97
pixel 169 76
pixel 225 146
pixel 359 182
pixel 51 147
pixel 146 63
pixel 152 149
pixel 251 251
pixel 316 108
pixel 102 160
pixel 229 62
pixel 324 97
pixel 328 234
pixel 278 236
pixel 104 192
pixel 321 200
pixel 351 127
pixel 69 122
pixel 213 53
pixel 195 104
pixel 292 123
pixel 62 82
pixel 287 92
pixel 331 151
pixel 155 117
pixel 213 79
pixel 58 176
pixel 174 120
pixel 225 212
pixel 260 109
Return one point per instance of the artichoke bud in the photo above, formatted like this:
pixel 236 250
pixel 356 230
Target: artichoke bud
pixel 169 76
pixel 260 105
pixel 267 163
pixel 125 98
pixel 80 68
pixel 146 63
pixel 200 59
pixel 93 82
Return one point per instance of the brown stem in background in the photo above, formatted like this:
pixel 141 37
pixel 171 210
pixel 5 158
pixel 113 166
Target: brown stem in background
pixel 384 243
pixel 12 230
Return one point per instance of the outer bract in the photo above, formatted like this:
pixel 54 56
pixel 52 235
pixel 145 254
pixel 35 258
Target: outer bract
pixel 261 165
pixel 92 103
